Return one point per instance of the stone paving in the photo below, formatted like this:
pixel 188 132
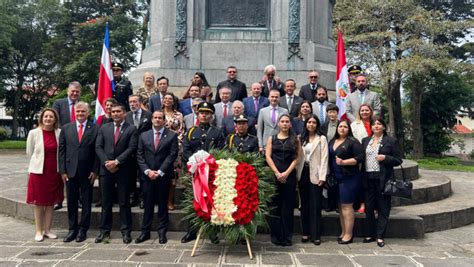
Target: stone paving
pixel 448 248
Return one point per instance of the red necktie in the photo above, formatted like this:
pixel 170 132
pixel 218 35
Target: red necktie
pixel 73 113
pixel 157 140
pixel 117 133
pixel 196 123
pixel 80 132
pixel 225 110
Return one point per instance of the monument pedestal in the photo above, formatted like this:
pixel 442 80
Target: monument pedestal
pixel 209 35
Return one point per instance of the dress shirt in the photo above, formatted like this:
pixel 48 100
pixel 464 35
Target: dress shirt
pixel 371 164
pixel 155 132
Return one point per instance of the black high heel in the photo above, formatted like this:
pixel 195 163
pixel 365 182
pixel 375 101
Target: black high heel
pixel 342 242
pixel 381 243
pixel 368 240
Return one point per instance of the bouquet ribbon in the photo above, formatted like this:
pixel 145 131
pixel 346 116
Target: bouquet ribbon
pixel 198 165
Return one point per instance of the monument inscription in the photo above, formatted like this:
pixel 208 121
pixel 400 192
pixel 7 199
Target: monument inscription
pixel 238 14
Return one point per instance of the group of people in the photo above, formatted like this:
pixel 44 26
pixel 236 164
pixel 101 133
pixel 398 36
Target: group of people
pixel 146 137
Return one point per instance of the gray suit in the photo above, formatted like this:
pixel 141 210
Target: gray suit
pixel 265 126
pixel 64 110
pixel 353 103
pixel 189 121
pixel 316 106
pixel 219 114
pixel 295 106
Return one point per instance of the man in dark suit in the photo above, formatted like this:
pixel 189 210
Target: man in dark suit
pixel 186 105
pixel 123 87
pixel 254 103
pixel 141 119
pixel 290 101
pixel 115 146
pixel 155 101
pixel 321 103
pixel 78 168
pixel 271 82
pixel 308 91
pixel 157 151
pixel 229 124
pixel 238 88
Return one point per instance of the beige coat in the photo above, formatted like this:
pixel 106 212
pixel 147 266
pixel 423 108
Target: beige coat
pixel 358 130
pixel 35 149
pixel 318 167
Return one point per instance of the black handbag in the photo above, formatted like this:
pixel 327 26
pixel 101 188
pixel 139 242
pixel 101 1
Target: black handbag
pixel 331 180
pixel 399 188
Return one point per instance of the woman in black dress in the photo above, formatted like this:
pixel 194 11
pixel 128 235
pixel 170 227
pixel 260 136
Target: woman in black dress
pixel 345 154
pixel 282 154
pixel 381 155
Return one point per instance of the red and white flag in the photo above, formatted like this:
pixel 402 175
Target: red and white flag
pixel 342 77
pixel 106 79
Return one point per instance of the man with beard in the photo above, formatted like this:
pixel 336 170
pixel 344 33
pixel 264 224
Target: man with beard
pixel 362 96
pixel 321 103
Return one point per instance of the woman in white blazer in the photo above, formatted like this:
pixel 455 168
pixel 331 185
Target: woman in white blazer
pixel 311 173
pixel 45 186
pixel 361 126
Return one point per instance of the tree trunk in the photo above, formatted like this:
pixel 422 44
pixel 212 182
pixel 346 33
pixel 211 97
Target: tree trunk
pixel 397 111
pixel 416 97
pixel 16 107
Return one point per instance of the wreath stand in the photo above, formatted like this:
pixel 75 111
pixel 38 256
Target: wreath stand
pixel 249 249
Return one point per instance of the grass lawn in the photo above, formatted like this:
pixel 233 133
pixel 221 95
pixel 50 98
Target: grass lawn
pixel 12 144
pixel 444 164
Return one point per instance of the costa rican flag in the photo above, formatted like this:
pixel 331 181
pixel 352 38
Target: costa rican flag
pixel 106 79
pixel 342 77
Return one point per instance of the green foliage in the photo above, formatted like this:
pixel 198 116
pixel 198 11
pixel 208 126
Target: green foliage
pixel 13 144
pixel 443 164
pixel 3 133
pixel 266 191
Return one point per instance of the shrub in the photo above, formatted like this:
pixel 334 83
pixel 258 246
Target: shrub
pixel 3 133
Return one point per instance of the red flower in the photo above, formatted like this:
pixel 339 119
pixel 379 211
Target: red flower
pixel 246 184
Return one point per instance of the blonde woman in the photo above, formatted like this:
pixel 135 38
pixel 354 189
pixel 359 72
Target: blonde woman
pixel 148 89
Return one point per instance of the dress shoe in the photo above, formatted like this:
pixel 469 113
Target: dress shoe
pixel 368 240
pixel 215 240
pixel 58 206
pixel 134 203
pixel 304 239
pixel 51 235
pixel 339 239
pixel 81 236
pixel 98 204
pixel 162 238
pixel 101 237
pixel 70 236
pixel 286 244
pixel 317 242
pixel 142 238
pixel 342 242
pixel 141 205
pixel 277 243
pixel 381 243
pixel 39 238
pixel 126 238
pixel 188 237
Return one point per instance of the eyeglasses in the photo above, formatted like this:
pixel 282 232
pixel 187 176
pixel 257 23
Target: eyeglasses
pixel 313 77
pixel 232 71
pixel 195 106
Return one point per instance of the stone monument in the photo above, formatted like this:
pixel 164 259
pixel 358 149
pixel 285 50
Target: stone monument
pixel 186 36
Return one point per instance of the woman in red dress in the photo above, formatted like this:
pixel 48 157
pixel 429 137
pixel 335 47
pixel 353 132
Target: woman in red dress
pixel 45 186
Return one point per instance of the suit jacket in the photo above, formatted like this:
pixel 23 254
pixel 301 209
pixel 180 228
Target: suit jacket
pixel 265 126
pixel 249 107
pixel 62 107
pixel 189 121
pixel 124 150
pixel 185 106
pixel 219 114
pixel 275 85
pixel 161 158
pixel 35 149
pixel 393 157
pixel 228 125
pixel 318 163
pixel 315 106
pixel 154 103
pixel 294 106
pixel 307 93
pixel 238 88
pixel 145 121
pixel 353 103
pixel 78 159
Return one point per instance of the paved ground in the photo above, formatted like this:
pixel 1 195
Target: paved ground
pixel 448 248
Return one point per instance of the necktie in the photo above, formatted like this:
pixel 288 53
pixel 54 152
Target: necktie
pixel 157 140
pixel 255 103
pixel 117 133
pixel 362 96
pixel 225 110
pixel 73 113
pixel 269 85
pixel 313 86
pixel 136 120
pixel 274 116
pixel 321 112
pixel 196 122
pixel 290 103
pixel 80 132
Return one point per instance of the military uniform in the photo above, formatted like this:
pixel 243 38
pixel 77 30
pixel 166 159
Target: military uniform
pixel 123 88
pixel 245 143
pixel 202 137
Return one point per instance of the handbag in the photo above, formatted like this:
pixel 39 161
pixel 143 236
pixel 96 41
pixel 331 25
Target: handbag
pixel 331 180
pixel 399 188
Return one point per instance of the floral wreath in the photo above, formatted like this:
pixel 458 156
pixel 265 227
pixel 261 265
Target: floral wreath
pixel 227 192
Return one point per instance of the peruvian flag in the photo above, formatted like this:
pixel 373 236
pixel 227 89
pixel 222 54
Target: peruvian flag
pixel 106 79
pixel 342 77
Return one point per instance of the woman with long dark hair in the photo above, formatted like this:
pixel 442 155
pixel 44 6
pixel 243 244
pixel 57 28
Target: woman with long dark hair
pixel 199 79
pixel 282 152
pixel 305 110
pixel 345 154
pixel 312 170
pixel 382 153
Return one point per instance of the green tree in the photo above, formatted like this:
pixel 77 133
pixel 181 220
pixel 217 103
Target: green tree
pixel 396 39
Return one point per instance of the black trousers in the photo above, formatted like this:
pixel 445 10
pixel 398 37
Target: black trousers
pixel 79 187
pixel 311 203
pixel 282 213
pixel 155 192
pixel 374 198
pixel 108 184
